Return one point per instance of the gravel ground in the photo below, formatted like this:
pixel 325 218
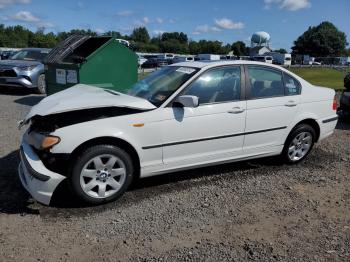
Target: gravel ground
pixel 255 210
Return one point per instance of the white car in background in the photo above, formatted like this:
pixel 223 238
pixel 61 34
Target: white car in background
pixel 141 60
pixel 180 117
pixel 266 59
pixel 179 59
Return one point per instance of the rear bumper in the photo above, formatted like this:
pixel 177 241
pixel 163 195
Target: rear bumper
pixel 35 177
pixel 16 82
pixel 327 126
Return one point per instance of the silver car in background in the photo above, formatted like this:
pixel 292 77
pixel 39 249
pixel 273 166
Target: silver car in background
pixel 25 69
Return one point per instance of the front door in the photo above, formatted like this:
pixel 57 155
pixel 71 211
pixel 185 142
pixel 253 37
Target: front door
pixel 213 131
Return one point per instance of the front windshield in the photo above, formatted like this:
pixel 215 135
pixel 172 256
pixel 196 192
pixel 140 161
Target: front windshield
pixel 31 55
pixel 160 85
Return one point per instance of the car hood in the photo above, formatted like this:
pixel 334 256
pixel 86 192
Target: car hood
pixel 18 63
pixel 83 96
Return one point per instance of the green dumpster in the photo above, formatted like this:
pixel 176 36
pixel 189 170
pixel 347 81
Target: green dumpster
pixel 98 61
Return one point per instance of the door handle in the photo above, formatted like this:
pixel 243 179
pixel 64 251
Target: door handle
pixel 290 103
pixel 236 110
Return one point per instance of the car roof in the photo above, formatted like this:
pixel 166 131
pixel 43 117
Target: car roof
pixel 215 63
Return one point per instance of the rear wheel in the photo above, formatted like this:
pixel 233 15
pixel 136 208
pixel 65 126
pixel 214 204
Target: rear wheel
pixel 299 143
pixel 102 174
pixel 41 89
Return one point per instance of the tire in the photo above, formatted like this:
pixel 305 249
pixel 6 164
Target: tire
pixel 41 89
pixel 101 174
pixel 299 144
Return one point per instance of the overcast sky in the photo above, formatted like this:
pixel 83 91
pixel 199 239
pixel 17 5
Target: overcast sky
pixel 224 20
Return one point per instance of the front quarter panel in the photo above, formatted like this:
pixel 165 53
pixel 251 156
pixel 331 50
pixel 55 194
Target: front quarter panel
pixel 147 132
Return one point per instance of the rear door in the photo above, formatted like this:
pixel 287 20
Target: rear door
pixel 272 103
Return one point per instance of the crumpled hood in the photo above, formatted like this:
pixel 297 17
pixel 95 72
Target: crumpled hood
pixel 18 63
pixel 83 96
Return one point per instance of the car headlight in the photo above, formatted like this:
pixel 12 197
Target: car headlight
pixel 27 68
pixel 49 141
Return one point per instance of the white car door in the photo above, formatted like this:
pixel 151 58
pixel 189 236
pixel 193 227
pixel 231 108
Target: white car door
pixel 272 103
pixel 212 131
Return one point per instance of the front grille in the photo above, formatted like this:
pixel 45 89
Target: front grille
pixel 7 73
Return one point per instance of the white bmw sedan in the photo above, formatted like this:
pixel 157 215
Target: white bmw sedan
pixel 183 116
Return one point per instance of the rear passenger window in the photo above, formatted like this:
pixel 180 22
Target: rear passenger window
pixel 292 85
pixel 265 82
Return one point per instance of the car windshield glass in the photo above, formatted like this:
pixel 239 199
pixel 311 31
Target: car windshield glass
pixel 36 55
pixel 160 85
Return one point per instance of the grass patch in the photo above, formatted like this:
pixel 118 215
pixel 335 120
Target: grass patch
pixel 327 77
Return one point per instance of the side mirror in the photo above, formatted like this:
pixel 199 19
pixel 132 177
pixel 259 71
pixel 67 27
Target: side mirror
pixel 187 101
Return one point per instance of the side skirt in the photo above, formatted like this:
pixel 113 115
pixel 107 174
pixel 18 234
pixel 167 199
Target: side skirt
pixel 163 169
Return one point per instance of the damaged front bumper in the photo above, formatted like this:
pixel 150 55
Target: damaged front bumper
pixel 39 181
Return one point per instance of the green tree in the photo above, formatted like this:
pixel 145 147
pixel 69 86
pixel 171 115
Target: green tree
pixel 180 37
pixel 346 52
pixel 157 40
pixel 14 36
pixel 194 48
pixel 210 47
pixel 140 34
pixel 173 46
pixel 115 34
pixel 225 49
pixel 281 50
pixel 322 40
pixel 40 39
pixel 145 47
pixel 239 48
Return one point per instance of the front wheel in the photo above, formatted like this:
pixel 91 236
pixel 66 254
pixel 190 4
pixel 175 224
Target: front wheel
pixel 102 174
pixel 41 89
pixel 299 143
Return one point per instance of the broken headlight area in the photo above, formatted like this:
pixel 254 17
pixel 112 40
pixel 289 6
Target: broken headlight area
pixel 41 141
pixel 58 163
pixel 49 123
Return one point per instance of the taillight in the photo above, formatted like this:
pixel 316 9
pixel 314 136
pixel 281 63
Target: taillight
pixel 334 106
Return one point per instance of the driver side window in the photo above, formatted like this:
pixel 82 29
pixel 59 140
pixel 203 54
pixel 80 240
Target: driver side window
pixel 217 85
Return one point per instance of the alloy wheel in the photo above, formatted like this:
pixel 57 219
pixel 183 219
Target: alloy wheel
pixel 103 176
pixel 300 146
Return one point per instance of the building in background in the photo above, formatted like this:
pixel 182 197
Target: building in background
pixel 260 44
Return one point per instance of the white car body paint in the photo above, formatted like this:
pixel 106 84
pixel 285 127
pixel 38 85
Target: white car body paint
pixel 83 97
pixel 177 139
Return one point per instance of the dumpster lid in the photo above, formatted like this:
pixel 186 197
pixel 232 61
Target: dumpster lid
pixel 75 49
pixel 65 48
pixel 86 97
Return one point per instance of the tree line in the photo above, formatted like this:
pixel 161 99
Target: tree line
pixel 322 40
pixel 175 42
